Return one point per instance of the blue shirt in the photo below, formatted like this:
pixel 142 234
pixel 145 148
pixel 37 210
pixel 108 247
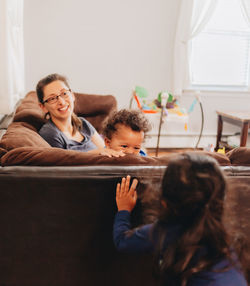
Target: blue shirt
pixel 142 239
pixel 142 153
pixel 56 138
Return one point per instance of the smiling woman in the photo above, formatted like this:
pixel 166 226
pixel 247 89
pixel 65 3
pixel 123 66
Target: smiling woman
pixel 64 129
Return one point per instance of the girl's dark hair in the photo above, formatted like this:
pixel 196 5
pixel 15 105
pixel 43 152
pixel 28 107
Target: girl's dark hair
pixel 193 190
pixel 134 119
pixel 76 122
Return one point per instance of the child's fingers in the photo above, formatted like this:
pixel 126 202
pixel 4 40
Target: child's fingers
pixel 133 187
pixel 118 189
pixel 122 186
pixel 127 183
pixel 135 196
pixel 134 184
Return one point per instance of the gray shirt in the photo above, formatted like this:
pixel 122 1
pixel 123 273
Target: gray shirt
pixel 56 138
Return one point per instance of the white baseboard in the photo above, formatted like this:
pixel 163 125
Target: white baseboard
pixel 180 141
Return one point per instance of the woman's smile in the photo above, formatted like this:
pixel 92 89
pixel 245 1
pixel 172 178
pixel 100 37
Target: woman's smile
pixel 64 108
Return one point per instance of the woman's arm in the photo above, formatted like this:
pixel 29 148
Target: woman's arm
pixel 98 141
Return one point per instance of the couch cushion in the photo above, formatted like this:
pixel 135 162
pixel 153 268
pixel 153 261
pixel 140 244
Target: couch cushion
pixel 239 156
pixel 95 108
pixel 222 159
pixel 34 156
pixel 29 111
pixel 22 134
pixel 2 152
pixel 42 156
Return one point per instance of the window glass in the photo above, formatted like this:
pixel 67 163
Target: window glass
pixel 220 54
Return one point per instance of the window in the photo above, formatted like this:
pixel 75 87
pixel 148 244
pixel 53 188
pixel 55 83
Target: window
pixel 11 54
pixel 220 54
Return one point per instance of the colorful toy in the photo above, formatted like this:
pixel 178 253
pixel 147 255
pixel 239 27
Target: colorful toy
pixel 165 101
pixel 168 107
pixel 221 151
pixel 141 93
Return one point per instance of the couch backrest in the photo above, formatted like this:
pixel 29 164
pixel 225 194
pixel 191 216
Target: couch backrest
pixel 95 108
pixel 56 224
pixel 56 229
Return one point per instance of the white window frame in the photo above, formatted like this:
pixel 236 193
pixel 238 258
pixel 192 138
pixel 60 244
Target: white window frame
pixel 236 87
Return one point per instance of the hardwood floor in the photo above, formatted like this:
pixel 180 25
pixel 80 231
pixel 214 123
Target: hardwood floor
pixel 165 151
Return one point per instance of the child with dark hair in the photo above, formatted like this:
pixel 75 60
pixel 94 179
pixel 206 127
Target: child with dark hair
pixel 125 131
pixel 189 240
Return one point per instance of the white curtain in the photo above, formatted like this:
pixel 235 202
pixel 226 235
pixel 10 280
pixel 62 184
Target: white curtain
pixel 245 5
pixel 11 54
pixel 193 16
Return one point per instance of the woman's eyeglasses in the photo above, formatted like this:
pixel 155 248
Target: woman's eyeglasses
pixel 53 99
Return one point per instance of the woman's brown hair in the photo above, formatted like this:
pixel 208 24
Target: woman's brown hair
pixel 76 122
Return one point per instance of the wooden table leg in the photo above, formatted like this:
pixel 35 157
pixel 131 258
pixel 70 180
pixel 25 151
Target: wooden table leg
pixel 219 132
pixel 244 134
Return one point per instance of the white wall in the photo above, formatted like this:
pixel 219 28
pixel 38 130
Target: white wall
pixel 101 46
pixel 108 47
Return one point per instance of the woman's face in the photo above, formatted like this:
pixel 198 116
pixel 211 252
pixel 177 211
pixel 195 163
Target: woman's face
pixel 58 100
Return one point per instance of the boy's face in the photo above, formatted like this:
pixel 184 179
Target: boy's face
pixel 125 139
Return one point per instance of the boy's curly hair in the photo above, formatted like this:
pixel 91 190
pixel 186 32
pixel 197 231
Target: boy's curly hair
pixel 135 119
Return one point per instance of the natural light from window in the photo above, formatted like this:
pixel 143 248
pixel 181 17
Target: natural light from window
pixel 220 54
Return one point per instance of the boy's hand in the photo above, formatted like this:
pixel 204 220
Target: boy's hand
pixel 111 153
pixel 126 197
pixel 107 152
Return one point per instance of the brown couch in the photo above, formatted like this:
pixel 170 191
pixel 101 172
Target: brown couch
pixel 57 206
pixel 22 145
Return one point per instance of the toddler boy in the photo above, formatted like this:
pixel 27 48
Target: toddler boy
pixel 125 131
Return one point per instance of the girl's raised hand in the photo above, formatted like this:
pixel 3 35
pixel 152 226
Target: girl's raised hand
pixel 126 196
